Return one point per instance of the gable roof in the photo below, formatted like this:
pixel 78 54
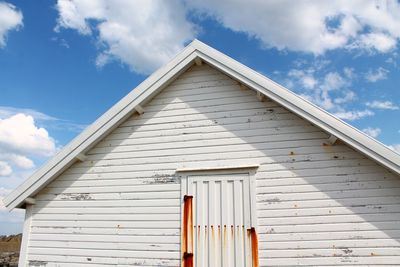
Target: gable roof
pixel 165 75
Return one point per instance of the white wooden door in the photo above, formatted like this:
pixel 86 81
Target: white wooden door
pixel 221 220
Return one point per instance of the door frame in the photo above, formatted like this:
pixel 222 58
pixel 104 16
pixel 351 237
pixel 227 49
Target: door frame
pixel 246 170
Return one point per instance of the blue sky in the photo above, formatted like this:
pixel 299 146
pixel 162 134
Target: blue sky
pixel 63 63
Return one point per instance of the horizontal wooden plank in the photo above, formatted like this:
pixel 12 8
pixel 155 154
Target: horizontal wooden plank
pixel 110 210
pixel 35 259
pixel 110 196
pixel 75 182
pixel 330 252
pixel 305 237
pixel 106 231
pixel 146 239
pixel 352 202
pixel 326 179
pixel 108 217
pixel 352 218
pixel 105 245
pixel 351 243
pixel 329 227
pixel 331 195
pixel 333 170
pixel 328 187
pixel 107 253
pixel 360 210
pixel 102 224
pixel 175 202
pixel 99 188
pixel 332 261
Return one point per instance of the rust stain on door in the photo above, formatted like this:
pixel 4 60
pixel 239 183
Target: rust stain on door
pixel 254 246
pixel 187 241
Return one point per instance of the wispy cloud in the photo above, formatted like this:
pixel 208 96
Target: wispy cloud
pixel 395 147
pixel 43 119
pixel 328 89
pixel 353 115
pixel 376 75
pixel 382 105
pixel 10 19
pixel 373 132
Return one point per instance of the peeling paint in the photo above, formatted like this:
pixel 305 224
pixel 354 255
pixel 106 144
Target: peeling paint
pixel 347 250
pixel 37 263
pixel 272 200
pixel 161 179
pixel 73 196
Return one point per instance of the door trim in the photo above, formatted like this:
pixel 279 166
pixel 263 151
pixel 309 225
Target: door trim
pixel 184 174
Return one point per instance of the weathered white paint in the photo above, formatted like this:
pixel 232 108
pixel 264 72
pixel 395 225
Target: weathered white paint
pixel 26 236
pixel 317 204
pixel 146 91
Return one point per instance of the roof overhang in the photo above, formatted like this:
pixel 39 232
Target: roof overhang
pixel 164 76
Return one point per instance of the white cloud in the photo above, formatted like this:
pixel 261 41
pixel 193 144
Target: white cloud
pixel 376 75
pixel 349 72
pixel 327 92
pixel 353 115
pixel 310 26
pixel 395 147
pixel 10 19
pixel 334 81
pixel 306 79
pixel 377 41
pixel 347 97
pixel 143 34
pixel 19 134
pixel 5 169
pixel 20 138
pixel 19 161
pixel 373 132
pixel 382 105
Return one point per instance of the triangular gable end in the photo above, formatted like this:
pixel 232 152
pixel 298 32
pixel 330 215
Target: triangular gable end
pixel 194 53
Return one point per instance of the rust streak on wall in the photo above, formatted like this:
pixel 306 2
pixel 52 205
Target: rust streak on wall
pixel 254 247
pixel 187 232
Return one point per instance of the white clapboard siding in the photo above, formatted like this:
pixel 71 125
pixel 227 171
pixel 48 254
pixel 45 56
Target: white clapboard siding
pixel 317 204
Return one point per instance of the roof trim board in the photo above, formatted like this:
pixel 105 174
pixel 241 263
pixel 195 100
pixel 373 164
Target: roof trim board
pixel 161 78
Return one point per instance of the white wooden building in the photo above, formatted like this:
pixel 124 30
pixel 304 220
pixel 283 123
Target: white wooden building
pixel 208 163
